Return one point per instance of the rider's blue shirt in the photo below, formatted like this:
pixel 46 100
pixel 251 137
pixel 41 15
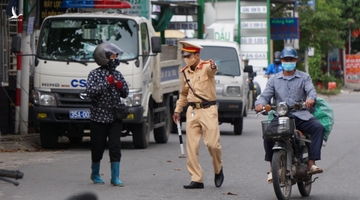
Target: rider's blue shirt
pixel 291 91
pixel 272 68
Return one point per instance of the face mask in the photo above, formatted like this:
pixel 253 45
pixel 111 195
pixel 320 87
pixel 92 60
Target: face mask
pixel 114 62
pixel 288 66
pixel 277 61
pixel 190 61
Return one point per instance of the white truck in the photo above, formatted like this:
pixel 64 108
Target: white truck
pixel 64 60
pixel 232 89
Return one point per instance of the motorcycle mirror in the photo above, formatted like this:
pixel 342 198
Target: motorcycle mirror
pixel 267 108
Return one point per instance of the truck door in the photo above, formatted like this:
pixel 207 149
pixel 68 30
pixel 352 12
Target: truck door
pixel 145 62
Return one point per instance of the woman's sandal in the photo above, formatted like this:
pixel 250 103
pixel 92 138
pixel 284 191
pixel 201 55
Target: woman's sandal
pixel 269 179
pixel 315 170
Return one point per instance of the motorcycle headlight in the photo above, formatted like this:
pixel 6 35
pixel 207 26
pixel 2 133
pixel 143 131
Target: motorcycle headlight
pixel 282 109
pixel 43 98
pixel 233 90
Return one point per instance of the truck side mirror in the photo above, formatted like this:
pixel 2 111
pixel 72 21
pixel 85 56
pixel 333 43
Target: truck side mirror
pixel 16 44
pixel 156 44
pixel 248 69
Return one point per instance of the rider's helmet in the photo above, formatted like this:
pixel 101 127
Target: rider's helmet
pixel 288 52
pixel 103 52
pixel 245 59
pixel 277 57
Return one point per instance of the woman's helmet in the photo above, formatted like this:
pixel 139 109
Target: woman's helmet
pixel 103 52
pixel 288 52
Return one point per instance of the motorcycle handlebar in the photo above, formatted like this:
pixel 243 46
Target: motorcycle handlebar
pixel 11 174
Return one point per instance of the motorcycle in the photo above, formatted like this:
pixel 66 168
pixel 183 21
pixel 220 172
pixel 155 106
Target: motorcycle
pixel 290 152
pixel 11 174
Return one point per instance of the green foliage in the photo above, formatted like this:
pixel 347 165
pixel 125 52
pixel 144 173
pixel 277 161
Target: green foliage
pixel 315 71
pixel 323 27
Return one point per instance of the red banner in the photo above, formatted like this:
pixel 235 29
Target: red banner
pixel 352 68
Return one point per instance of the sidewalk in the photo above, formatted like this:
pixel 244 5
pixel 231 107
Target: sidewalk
pixel 355 87
pixel 22 143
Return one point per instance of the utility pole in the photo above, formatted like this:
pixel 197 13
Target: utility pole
pixel 306 60
pixel 200 19
pixel 25 71
pixel 18 71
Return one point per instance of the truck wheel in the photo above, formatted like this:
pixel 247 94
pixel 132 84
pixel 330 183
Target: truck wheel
pixel 173 126
pixel 75 140
pixel 48 136
pixel 161 134
pixel 238 126
pixel 141 132
pixel 245 111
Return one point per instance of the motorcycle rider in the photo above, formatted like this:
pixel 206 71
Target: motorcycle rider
pixel 275 67
pixel 105 86
pixel 293 86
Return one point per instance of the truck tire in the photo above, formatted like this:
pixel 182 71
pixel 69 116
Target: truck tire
pixel 75 140
pixel 238 125
pixel 161 134
pixel 245 111
pixel 141 132
pixel 48 136
pixel 173 126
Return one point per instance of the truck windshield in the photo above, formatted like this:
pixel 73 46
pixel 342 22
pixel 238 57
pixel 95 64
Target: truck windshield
pixel 76 39
pixel 225 58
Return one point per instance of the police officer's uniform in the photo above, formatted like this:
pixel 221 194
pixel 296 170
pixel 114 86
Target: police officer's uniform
pixel 201 116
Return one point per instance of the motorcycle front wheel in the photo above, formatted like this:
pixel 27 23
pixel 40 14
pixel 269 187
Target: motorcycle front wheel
pixel 304 189
pixel 281 179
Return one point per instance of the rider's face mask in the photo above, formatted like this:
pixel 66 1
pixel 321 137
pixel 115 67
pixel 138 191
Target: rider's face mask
pixel 288 66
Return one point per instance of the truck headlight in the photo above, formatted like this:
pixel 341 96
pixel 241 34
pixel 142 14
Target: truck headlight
pixel 133 99
pixel 233 90
pixel 43 98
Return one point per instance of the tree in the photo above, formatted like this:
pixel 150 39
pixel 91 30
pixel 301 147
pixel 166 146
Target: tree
pixel 322 27
pixel 351 10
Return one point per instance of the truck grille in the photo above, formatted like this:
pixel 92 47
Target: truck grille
pixel 71 98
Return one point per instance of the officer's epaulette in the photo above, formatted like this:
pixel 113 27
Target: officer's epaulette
pixel 183 69
pixel 203 62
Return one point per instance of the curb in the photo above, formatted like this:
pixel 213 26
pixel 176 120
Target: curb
pixel 22 143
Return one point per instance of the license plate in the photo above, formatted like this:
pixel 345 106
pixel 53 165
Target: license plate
pixel 79 114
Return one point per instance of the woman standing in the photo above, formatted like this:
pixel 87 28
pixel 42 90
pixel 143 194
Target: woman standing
pixel 105 86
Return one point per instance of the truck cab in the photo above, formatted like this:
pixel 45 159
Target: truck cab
pixel 231 81
pixel 64 60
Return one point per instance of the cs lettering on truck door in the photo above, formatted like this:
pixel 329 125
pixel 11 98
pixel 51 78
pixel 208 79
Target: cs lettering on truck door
pixel 78 83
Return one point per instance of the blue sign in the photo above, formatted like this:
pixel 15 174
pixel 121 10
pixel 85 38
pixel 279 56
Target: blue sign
pixel 30 26
pixel 169 73
pixel 284 28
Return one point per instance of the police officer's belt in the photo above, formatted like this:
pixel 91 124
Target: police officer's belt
pixel 205 104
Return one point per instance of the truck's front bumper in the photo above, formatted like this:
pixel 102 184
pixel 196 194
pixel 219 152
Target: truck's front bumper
pixel 227 109
pixel 61 115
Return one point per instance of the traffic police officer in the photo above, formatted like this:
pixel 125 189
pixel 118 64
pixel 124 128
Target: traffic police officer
pixel 198 89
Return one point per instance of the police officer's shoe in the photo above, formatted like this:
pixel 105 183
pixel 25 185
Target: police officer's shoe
pixel 219 178
pixel 194 185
